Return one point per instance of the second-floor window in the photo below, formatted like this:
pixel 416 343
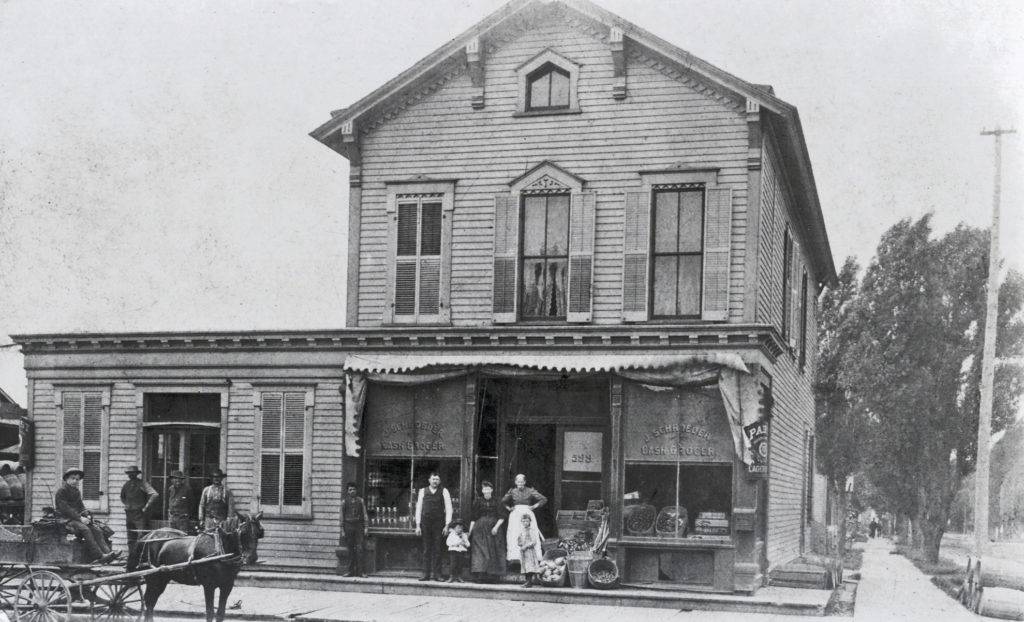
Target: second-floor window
pixel 677 256
pixel 545 256
pixel 418 257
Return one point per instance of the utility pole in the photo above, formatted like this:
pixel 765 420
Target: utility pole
pixel 988 359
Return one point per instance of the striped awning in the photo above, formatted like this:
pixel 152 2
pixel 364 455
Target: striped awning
pixel 384 363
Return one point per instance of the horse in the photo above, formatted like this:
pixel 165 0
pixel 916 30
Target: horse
pixel 239 535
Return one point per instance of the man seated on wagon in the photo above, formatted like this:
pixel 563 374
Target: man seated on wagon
pixel 69 506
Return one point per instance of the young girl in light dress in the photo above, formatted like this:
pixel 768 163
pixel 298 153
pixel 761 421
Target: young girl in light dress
pixel 530 551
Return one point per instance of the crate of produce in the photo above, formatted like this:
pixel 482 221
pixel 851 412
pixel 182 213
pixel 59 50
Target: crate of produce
pixel 639 519
pixel 711 524
pixel 554 568
pixel 603 574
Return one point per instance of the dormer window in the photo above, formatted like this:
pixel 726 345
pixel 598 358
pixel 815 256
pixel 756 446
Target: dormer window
pixel 548 85
pixel 547 89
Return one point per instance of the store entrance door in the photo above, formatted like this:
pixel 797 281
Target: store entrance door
pixel 531 449
pixel 194 451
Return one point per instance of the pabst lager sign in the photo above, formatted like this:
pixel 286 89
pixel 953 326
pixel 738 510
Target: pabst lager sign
pixel 757 439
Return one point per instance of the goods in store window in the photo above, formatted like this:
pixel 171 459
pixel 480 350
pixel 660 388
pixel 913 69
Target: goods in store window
pixel 672 521
pixel 639 519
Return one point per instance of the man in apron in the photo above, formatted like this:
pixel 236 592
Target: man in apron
pixel 214 506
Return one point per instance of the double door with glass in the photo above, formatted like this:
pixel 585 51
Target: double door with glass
pixel 195 451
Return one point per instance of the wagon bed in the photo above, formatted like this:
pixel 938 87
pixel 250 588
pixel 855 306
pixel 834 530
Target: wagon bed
pixel 43 575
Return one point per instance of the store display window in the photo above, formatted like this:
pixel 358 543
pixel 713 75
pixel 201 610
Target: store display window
pixel 409 433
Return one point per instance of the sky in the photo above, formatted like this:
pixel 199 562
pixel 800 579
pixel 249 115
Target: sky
pixel 156 171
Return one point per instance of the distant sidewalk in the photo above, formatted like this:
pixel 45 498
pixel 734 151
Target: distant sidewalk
pixel 892 588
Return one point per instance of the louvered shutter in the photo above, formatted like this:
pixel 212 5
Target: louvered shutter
pixel 581 257
pixel 430 260
pixel 506 258
pixel 636 240
pixel 717 240
pixel 407 232
pixel 92 444
pixel 796 285
pixel 270 446
pixel 72 421
pixel 294 447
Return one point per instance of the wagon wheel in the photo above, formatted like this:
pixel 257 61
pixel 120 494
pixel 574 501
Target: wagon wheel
pixel 116 601
pixel 43 596
pixel 10 577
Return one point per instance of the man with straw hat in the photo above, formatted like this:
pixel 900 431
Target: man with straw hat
pixel 138 498
pixel 179 502
pixel 68 503
pixel 215 505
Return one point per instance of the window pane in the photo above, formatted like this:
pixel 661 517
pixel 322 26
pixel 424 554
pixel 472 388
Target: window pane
pixel 558 225
pixel 689 285
pixel 666 222
pixel 540 91
pixel 430 242
pixel 665 282
pixel 533 287
pixel 691 210
pixel 293 480
pixel 533 226
pixel 559 90
pixel 407 227
pixel 405 288
pixel 270 477
pixel 554 294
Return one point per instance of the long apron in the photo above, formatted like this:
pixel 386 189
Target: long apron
pixel 515 527
pixel 485 549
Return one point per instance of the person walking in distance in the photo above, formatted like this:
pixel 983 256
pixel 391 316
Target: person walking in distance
pixel 433 515
pixel 354 528
pixel 179 502
pixel 138 498
pixel 68 503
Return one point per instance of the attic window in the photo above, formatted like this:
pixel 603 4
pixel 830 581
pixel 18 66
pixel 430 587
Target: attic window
pixel 547 89
pixel 548 85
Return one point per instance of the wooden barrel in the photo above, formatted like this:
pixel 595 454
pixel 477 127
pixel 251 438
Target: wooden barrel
pixel 1001 602
pixel 995 572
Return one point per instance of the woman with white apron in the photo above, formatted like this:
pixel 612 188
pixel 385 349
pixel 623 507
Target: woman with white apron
pixel 520 500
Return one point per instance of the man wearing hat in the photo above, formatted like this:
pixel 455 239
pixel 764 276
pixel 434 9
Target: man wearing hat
pixel 215 504
pixel 138 498
pixel 179 502
pixel 68 503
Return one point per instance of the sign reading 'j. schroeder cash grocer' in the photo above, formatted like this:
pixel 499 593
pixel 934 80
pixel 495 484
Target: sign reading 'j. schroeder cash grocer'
pixel 684 425
pixel 422 420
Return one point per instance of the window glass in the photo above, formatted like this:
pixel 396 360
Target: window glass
pixel 559 90
pixel 548 88
pixel 678 222
pixel 545 256
pixel 558 225
pixel 534 222
pixel 540 91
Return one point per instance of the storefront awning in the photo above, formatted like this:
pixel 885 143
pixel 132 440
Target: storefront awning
pixel 385 363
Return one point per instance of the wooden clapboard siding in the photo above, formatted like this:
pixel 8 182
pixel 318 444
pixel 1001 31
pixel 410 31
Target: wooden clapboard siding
pixel 124 450
pixel 664 122
pixel 45 477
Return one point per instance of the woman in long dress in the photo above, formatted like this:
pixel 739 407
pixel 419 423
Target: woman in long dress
pixel 521 500
pixel 487 561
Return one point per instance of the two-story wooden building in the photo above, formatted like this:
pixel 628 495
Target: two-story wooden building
pixel 576 252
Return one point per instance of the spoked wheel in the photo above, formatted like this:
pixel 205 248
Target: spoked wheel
pixel 10 578
pixel 43 596
pixel 117 602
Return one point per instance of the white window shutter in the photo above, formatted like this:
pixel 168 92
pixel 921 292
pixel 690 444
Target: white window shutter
pixel 717 240
pixel 506 258
pixel 636 240
pixel 581 257
pixel 796 285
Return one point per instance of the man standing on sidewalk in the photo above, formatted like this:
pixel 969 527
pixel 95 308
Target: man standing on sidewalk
pixel 354 523
pixel 138 498
pixel 433 515
pixel 179 502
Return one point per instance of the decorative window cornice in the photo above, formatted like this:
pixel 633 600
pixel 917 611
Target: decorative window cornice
pixel 546 185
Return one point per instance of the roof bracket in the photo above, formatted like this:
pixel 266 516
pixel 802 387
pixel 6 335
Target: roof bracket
pixel 616 42
pixel 475 65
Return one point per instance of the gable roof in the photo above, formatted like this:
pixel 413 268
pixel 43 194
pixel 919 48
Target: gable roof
pixel 785 116
pixel 6 399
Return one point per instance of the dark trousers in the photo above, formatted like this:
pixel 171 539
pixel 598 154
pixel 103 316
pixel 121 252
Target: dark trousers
pixel 135 522
pixel 92 538
pixel 180 522
pixel 457 563
pixel 355 540
pixel 433 545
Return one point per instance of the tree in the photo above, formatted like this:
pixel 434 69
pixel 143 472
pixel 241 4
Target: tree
pixel 919 312
pixel 840 424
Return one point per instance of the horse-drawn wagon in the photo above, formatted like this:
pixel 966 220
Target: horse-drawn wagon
pixel 44 577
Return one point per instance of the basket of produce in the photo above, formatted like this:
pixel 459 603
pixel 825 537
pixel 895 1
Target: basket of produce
pixel 554 568
pixel 603 574
pixel 638 520
pixel 579 541
pixel 672 522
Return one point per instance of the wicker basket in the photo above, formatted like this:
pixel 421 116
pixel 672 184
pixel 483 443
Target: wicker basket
pixel 603 574
pixel 552 555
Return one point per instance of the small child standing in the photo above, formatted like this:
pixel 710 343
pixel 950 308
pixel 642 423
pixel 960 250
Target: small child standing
pixel 458 546
pixel 530 550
